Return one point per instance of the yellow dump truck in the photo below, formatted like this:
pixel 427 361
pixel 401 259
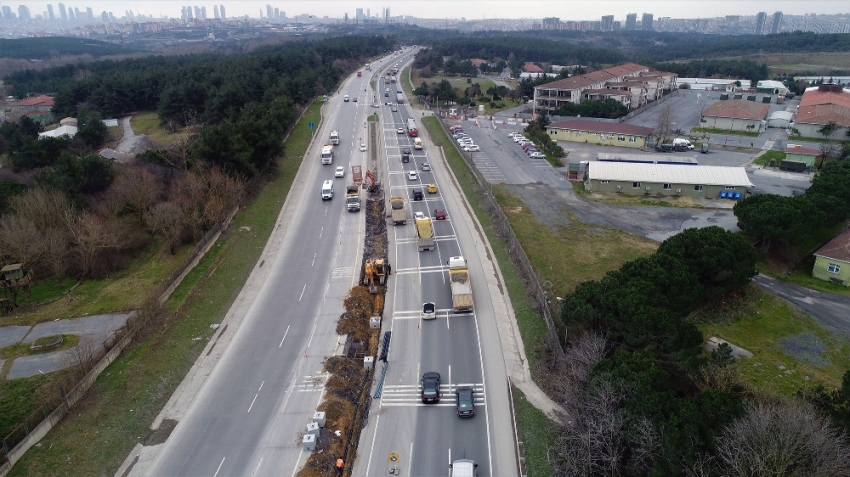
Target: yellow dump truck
pixel 425 232
pixel 461 285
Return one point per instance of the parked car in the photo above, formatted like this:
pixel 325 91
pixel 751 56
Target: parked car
pixel 471 148
pixel 526 145
pixel 531 150
pixel 430 388
pixel 440 214
pixel 412 176
pixel 465 401
pixel 362 147
pixel 425 166
pixel 339 172
pixel 664 148
pixel 537 155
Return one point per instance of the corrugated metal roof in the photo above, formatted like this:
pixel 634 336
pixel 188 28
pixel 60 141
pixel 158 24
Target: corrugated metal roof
pixel 669 174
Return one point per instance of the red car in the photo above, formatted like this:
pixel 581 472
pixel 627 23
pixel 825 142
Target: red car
pixel 440 214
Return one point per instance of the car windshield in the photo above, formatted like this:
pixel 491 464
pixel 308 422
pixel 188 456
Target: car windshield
pixel 429 390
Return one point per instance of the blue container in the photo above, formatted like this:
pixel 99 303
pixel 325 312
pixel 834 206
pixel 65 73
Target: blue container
pixel 737 195
pixel 723 194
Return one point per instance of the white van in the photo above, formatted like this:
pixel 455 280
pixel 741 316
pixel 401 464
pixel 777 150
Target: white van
pixel 463 468
pixel 417 143
pixel 327 190
pixel 682 142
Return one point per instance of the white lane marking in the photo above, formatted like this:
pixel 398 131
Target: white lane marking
pixel 255 397
pixel 302 292
pixel 219 466
pixel 284 336
pixel 321 232
pixel 258 465
pixel 484 381
pixel 369 462
pixel 450 456
pixel 410 460
pixel 314 260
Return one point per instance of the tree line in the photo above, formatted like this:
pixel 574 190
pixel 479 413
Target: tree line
pixel 746 69
pixel 54 46
pixel 643 400
pixel 69 212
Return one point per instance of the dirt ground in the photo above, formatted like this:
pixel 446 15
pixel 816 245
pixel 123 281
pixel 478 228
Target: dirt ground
pixel 548 209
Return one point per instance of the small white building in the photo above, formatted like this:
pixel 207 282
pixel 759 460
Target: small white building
pixel 780 119
pixel 64 130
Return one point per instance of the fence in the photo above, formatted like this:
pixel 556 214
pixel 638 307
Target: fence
pixel 89 363
pixel 515 252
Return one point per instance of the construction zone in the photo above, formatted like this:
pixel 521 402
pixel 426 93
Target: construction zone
pixel 347 400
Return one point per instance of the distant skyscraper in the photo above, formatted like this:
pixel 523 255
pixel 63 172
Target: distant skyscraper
pixel 608 23
pixel 761 19
pixel 359 15
pixel 71 15
pixel 24 13
pixel 777 23
pixel 551 23
pixel 77 13
pixel 62 13
pixel 221 9
pixel 8 14
pixel 269 11
pixel 203 13
pixel 197 15
pixel 646 22
pixel 105 17
pixel 90 13
pixel 215 12
pixel 387 15
pixel 50 15
pixel 631 21
pixel 277 13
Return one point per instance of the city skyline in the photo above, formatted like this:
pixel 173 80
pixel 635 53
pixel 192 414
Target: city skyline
pixel 471 10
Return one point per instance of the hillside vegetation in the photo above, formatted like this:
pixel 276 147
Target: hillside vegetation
pixel 52 47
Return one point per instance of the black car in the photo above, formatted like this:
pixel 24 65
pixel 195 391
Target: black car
pixel 405 156
pixel 406 150
pixel 417 194
pixel 664 148
pixel 431 388
pixel 465 401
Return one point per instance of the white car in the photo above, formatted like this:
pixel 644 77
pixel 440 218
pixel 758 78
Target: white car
pixel 519 138
pixel 471 148
pixel 345 98
pixel 412 176
pixel 418 215
pixel 339 172
pixel 399 131
pixel 362 147
pixel 537 155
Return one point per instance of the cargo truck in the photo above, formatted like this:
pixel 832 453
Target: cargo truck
pixel 399 98
pixel 357 175
pixel 327 154
pixel 425 232
pixel 352 197
pixel 335 137
pixel 461 286
pixel 398 211
pixel 411 128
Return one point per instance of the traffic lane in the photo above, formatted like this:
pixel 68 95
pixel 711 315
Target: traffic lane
pixel 250 377
pixel 436 289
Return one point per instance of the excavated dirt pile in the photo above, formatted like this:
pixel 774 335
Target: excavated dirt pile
pixel 347 399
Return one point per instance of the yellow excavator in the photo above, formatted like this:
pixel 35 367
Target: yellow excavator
pixel 376 274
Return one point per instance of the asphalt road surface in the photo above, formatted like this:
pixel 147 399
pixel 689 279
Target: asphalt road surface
pixel 463 348
pixel 833 311
pixel 268 383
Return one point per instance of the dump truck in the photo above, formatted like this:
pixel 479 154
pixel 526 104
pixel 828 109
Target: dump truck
pixel 398 211
pixel 352 197
pixel 334 137
pixel 461 286
pixel 425 232
pixel 357 175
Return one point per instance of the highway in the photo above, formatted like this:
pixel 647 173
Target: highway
pixel 246 418
pixel 464 348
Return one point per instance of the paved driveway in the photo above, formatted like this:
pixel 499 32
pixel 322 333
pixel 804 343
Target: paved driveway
pixel 832 311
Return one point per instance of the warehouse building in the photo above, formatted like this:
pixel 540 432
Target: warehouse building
pixel 598 132
pixel 735 115
pixel 668 179
pixel 819 106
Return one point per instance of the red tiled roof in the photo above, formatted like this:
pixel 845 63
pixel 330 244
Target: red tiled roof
pixel 601 127
pixel 837 248
pixel 42 100
pixel 802 150
pixel 821 107
pixel 532 68
pixel 737 109
pixel 477 61
pixel 581 81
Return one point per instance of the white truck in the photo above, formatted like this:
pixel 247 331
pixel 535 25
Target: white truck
pixel 399 214
pixel 461 285
pixel 417 143
pixel 327 154
pixel 335 137
pixel 425 232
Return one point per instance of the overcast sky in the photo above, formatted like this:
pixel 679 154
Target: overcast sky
pixel 470 9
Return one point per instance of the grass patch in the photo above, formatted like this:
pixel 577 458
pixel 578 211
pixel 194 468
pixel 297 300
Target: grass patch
pixel 537 434
pixel 460 84
pixel 760 322
pixel 567 256
pixel 768 156
pixel 97 437
pixel 614 198
pixel 23 349
pixel 18 394
pixel 726 132
pixel 147 123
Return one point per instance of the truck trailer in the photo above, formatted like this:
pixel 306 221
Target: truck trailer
pixel 461 285
pixel 399 214
pixel 425 233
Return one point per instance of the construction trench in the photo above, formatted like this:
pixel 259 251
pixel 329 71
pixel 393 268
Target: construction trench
pixel 347 397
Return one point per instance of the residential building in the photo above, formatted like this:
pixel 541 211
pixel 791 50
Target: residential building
pixel 821 105
pixel 602 94
pixel 50 15
pixel 8 14
pixel 24 13
pixel 608 23
pixel 599 132
pixel 64 130
pixel 667 179
pixel 42 104
pixel 63 14
pixel 631 21
pixel 551 23
pixel 761 19
pixel 832 261
pixel 529 67
pixel 777 23
pixel 735 115
pixel 221 9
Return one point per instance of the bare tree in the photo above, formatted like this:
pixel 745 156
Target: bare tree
pixel 42 207
pixel 56 251
pixel 136 190
pixel 222 192
pixel 20 240
pixel 783 439
pixel 90 233
pixel 165 219
pixel 664 123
